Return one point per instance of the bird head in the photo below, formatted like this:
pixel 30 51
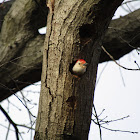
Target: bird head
pixel 80 67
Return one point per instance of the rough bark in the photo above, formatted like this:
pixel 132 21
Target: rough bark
pixel 65 104
pixel 4 8
pixel 21 59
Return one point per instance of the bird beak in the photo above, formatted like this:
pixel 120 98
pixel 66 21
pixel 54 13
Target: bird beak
pixel 85 64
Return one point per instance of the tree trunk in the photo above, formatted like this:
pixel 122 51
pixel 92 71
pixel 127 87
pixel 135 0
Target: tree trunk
pixel 66 102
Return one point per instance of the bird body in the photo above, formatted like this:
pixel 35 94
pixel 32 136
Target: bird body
pixel 80 67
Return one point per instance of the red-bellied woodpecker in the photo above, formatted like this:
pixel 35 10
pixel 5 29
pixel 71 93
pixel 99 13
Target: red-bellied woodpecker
pixel 80 67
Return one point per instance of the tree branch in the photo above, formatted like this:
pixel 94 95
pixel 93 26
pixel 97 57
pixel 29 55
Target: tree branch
pixel 4 8
pixel 25 70
pixel 111 57
pixel 10 121
pixel 122 36
pixel 117 130
pixel 98 123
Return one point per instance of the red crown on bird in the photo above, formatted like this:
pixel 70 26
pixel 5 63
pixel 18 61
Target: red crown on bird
pixel 81 60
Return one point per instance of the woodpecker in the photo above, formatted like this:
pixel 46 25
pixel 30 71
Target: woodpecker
pixel 79 67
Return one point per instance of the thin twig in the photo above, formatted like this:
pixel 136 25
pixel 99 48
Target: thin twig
pixel 137 64
pixel 101 73
pixel 102 120
pixel 101 113
pixel 97 122
pixel 4 86
pixel 19 98
pixel 29 113
pixel 125 41
pixel 111 57
pixel 106 122
pixel 122 76
pixel 9 102
pixel 7 132
pixel 11 61
pixel 6 127
pixel 24 105
pixel 116 130
pixel 21 125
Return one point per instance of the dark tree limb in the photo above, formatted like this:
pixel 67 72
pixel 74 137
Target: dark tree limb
pixel 23 70
pixel 123 36
pixel 10 121
pixel 20 47
pixel 112 58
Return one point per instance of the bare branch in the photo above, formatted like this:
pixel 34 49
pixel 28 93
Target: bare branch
pixel 29 112
pixel 137 64
pixel 101 122
pixel 98 123
pixel 10 121
pixel 111 57
pixel 21 125
pixel 106 122
pixel 7 131
pixel 9 102
pixel 116 130
pixel 122 76
pixel 6 127
pixel 101 73
pixel 25 106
